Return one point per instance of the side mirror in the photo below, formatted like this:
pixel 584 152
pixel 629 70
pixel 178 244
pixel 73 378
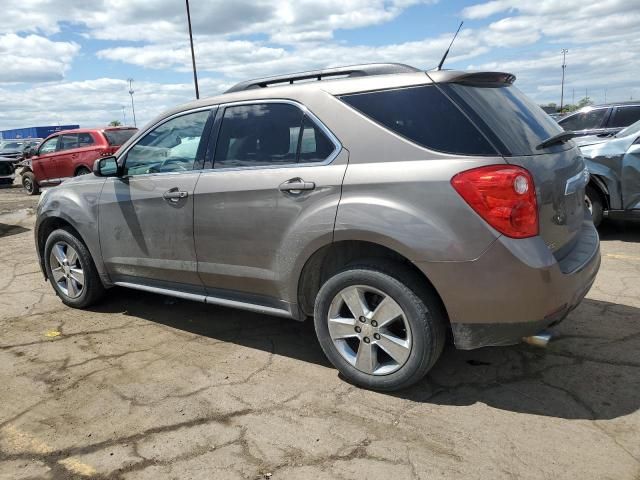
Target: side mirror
pixel 106 167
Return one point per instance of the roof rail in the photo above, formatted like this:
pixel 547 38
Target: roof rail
pixel 363 70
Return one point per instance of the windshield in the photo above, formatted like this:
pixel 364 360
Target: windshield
pixel 118 137
pixel 512 122
pixel 630 130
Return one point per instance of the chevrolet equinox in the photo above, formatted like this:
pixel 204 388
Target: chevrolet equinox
pixel 388 203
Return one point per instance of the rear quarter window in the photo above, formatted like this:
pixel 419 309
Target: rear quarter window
pixel 423 115
pixel 625 116
pixel 119 137
pixel 584 120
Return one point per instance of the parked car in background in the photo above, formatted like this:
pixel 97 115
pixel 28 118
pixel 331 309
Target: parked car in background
pixel 390 204
pixel 16 149
pixel 7 171
pixel 601 119
pixel 69 154
pixel 614 165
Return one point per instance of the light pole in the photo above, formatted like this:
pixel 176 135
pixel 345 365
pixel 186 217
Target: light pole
pixel 193 56
pixel 124 116
pixel 564 66
pixel 133 109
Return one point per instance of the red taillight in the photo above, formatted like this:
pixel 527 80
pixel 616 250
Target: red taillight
pixel 503 195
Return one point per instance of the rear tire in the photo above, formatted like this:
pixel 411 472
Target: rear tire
pixel 386 348
pixel 29 183
pixel 82 171
pixel 594 202
pixel 71 270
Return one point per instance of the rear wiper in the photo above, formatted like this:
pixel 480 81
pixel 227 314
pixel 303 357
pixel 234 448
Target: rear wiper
pixel 558 138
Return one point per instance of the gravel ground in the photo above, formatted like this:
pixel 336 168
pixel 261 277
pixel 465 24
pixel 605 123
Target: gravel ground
pixel 146 387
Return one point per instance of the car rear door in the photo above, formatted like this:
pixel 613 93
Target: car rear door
pixel 146 214
pixel 630 178
pixel 66 153
pixel 273 192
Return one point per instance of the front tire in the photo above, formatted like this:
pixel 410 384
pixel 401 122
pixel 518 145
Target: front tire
pixel 71 270
pixel 379 325
pixel 29 183
pixel 594 204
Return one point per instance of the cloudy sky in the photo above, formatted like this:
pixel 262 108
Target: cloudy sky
pixel 67 61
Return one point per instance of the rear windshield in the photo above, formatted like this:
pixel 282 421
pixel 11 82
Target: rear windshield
pixel 512 122
pixel 425 116
pixel 118 137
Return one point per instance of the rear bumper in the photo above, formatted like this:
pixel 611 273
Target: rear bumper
pixel 515 289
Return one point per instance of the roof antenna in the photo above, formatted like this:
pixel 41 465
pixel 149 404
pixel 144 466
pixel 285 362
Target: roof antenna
pixel 444 57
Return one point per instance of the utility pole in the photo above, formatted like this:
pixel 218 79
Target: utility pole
pixel 193 56
pixel 573 96
pixel 605 95
pixel 133 109
pixel 124 116
pixel 564 66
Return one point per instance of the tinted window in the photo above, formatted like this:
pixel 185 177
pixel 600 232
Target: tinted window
pixel 258 135
pixel 510 120
pixel 85 139
pixel 170 147
pixel 588 119
pixel 48 146
pixel 425 116
pixel 625 116
pixel 119 137
pixel 68 141
pixel 630 130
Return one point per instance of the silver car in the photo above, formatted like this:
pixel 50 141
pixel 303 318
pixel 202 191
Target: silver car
pixel 388 203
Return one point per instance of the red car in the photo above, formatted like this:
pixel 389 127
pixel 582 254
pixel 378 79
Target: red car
pixel 70 153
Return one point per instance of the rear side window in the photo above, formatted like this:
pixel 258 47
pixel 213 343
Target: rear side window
pixel 269 134
pixel 625 116
pixel 425 116
pixel 584 120
pixel 119 137
pixel 85 139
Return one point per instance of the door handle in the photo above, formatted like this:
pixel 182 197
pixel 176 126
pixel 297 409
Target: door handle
pixel 174 195
pixel 296 185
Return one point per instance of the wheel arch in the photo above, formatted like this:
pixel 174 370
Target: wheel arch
pixel 331 258
pixel 79 167
pixel 601 187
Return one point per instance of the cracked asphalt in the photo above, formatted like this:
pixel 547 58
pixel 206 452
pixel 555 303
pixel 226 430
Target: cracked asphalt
pixel 147 387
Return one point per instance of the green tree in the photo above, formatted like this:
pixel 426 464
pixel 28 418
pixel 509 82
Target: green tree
pixel 115 123
pixel 586 101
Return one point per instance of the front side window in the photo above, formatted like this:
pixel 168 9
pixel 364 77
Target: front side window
pixel 269 134
pixel 584 120
pixel 49 146
pixel 170 147
pixel 625 116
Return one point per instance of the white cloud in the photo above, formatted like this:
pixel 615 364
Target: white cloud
pixel 34 58
pixel 95 102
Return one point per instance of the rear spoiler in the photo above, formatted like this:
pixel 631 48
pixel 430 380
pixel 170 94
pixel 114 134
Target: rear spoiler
pixel 478 79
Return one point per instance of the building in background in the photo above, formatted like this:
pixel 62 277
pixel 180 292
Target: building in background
pixel 34 132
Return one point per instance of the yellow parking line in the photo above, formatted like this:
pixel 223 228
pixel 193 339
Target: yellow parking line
pixel 22 442
pixel 621 256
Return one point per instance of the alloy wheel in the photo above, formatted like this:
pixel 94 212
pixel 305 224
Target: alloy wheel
pixel 370 330
pixel 66 269
pixel 588 204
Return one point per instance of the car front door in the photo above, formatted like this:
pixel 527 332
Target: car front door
pixel 630 177
pixel 43 164
pixel 146 214
pixel 273 192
